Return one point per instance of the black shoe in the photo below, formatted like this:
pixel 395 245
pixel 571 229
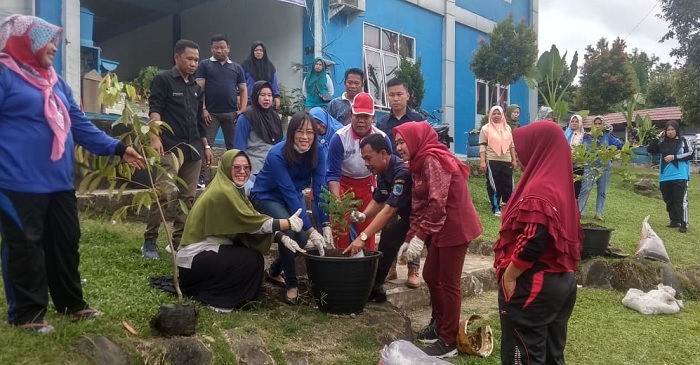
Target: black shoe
pixel 683 229
pixel 428 335
pixel 377 295
pixel 673 225
pixel 440 350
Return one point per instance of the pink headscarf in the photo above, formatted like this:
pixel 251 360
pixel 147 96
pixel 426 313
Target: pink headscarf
pixel 23 41
pixel 498 134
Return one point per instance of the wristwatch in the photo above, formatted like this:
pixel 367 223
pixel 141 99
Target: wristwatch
pixel 207 147
pixel 363 237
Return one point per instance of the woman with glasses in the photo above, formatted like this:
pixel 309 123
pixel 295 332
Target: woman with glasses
pixel 220 259
pixel 291 166
pixel 606 139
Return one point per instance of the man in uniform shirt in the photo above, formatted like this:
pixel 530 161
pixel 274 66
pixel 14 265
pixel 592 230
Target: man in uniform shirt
pixel 176 99
pixel 390 207
pixel 339 108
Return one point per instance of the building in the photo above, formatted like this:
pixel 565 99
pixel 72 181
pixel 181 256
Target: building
pixel 371 34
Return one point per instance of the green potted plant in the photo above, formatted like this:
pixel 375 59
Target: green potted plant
pixel 646 131
pixel 290 103
pixel 341 284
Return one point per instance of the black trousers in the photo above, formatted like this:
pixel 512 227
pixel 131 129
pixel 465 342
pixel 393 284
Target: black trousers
pixel 676 199
pixel 390 241
pixel 534 319
pixel 578 171
pixel 499 183
pixel 40 236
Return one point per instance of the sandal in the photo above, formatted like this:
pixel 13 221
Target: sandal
pixel 41 328
pixel 86 313
pixel 291 300
pixel 274 280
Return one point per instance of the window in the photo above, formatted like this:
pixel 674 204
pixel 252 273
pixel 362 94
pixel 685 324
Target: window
pixel 382 52
pixel 488 95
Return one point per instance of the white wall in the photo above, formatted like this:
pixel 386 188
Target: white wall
pixel 277 24
pixel 9 7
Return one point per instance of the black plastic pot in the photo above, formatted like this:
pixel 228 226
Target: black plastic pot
pixel 595 241
pixel 341 285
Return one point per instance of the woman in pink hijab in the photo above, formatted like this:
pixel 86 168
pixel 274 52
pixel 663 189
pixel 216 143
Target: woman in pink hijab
pixel 497 159
pixel 40 124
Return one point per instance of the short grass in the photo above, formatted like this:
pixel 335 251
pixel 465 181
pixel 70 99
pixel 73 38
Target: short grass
pixel 601 330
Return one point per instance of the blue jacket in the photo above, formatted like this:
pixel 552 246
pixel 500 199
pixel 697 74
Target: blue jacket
pixel 605 140
pixel 279 182
pixel 679 168
pixel 25 151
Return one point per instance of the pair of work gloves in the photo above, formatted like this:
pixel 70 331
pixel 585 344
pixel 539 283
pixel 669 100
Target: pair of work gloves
pixel 408 252
pixel 320 242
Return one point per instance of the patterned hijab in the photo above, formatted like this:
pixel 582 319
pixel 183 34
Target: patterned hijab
pixel 23 42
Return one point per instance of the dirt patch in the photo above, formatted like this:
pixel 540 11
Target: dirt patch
pixel 485 305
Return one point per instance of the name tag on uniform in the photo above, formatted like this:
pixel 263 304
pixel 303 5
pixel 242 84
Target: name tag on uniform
pixel 177 94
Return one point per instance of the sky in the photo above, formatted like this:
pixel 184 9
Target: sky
pixel 574 24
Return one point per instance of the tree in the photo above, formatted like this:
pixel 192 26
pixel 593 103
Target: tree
pixel 552 77
pixel 507 56
pixel 687 93
pixel 682 16
pixel 411 73
pixel 607 77
pixel 660 91
pixel 642 65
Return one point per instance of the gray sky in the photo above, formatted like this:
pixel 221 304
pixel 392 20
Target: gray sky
pixel 574 24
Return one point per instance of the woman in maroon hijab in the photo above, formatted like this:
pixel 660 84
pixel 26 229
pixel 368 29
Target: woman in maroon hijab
pixel 538 250
pixel 442 215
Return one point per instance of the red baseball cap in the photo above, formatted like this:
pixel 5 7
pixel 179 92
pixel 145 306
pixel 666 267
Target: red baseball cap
pixel 363 103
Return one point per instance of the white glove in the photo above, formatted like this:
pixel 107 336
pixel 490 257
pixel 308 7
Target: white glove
pixel 318 241
pixel 291 244
pixel 328 237
pixel 411 250
pixel 296 223
pixel 357 216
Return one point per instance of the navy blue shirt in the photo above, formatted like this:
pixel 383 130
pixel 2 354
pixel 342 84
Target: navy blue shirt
pixel 221 82
pixel 387 123
pixel 394 187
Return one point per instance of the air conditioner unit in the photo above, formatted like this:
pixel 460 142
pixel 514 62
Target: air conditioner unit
pixel 352 8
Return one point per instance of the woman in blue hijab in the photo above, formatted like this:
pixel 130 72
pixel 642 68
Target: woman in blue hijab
pixel 326 126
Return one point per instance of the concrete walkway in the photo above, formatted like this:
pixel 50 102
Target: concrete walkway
pixel 478 276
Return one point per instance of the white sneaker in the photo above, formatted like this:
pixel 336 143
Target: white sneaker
pixel 220 310
pixel 497 214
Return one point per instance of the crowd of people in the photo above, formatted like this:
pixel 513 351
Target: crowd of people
pixel 413 190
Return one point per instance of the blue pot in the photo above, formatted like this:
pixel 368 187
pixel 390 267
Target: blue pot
pixel 642 155
pixel 473 151
pixel 473 139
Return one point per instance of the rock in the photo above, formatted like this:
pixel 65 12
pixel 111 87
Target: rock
pixel 480 247
pixel 175 351
pixel 647 188
pixel 297 359
pixel 596 274
pixel 249 348
pixel 101 350
pixel 175 320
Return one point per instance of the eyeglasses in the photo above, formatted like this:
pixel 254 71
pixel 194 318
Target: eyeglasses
pixel 237 168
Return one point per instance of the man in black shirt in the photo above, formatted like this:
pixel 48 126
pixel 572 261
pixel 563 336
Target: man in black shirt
pixel 390 205
pixel 176 99
pixel 398 97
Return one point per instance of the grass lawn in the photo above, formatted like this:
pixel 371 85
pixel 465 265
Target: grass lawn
pixel 601 330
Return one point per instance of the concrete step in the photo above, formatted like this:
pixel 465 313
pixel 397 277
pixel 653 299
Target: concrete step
pixel 478 276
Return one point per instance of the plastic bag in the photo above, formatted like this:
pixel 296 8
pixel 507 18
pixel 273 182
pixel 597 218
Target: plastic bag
pixel 651 246
pixel 402 352
pixel 658 301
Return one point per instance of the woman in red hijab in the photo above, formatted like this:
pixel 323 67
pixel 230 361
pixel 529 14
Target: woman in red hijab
pixel 538 250
pixel 444 217
pixel 40 124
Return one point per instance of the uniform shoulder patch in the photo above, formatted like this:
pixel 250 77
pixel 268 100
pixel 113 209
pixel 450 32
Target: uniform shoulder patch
pixel 398 189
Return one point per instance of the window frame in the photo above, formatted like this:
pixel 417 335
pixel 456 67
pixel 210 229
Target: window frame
pixel 487 92
pixel 382 55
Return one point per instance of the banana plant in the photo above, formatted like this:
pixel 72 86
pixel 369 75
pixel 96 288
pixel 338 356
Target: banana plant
pixel 552 77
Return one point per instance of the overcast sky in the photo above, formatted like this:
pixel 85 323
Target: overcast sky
pixel 574 24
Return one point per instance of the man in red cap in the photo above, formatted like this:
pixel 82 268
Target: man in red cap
pixel 347 169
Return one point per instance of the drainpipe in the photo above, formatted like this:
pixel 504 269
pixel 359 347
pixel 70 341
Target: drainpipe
pixel 534 23
pixel 318 28
pixel 449 66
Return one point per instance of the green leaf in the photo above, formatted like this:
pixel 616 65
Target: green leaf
pixel 145 129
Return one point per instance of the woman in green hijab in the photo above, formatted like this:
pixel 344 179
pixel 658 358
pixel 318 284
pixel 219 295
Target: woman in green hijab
pixel 221 253
pixel 512 114
pixel 317 84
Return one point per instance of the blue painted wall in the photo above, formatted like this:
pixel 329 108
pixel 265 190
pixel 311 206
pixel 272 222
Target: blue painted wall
pixel 343 45
pixel 50 10
pixel 344 42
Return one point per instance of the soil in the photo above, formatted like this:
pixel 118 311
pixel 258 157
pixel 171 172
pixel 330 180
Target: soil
pixel 485 305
